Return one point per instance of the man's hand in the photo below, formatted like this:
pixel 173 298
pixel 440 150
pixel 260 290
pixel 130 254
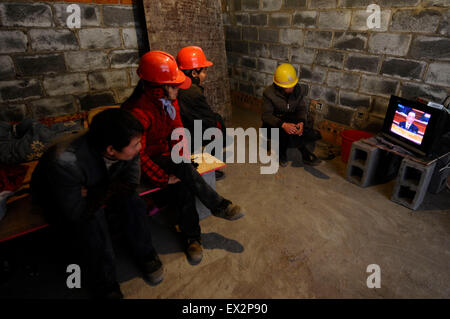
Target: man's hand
pixel 299 127
pixel 289 128
pixel 173 179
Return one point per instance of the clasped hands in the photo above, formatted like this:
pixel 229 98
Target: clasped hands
pixel 293 129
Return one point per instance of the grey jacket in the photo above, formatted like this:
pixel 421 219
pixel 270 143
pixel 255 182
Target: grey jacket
pixel 68 166
pixel 279 108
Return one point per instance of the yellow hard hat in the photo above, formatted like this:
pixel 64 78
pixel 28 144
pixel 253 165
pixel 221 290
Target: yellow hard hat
pixel 285 76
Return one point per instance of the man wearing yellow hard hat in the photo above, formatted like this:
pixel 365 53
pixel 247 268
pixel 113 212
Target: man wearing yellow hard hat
pixel 284 107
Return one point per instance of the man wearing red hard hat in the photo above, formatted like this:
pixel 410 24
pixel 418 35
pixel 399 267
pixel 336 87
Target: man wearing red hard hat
pixel 154 103
pixel 193 105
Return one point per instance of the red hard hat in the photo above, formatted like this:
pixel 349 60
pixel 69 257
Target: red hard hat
pixel 161 67
pixel 192 57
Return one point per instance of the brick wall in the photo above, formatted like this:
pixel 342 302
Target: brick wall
pixel 174 24
pixel 344 63
pixel 48 69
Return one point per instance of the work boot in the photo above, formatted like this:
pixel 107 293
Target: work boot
pixel 283 160
pixel 231 212
pixel 309 158
pixel 153 269
pixel 219 175
pixel 194 251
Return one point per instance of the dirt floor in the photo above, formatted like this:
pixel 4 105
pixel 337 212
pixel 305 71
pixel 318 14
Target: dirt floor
pixel 308 233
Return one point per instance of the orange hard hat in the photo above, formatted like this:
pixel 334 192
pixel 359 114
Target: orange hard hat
pixel 161 67
pixel 192 57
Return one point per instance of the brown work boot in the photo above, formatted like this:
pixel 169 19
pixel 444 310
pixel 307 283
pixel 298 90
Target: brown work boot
pixel 231 212
pixel 194 251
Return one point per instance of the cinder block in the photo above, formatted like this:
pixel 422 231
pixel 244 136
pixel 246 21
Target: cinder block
pixel 94 38
pixel 90 101
pixel 41 64
pixel 415 21
pixel 363 163
pixel 343 80
pixel 312 75
pixel 87 60
pixel 440 175
pixel 302 55
pixel 66 84
pixel 26 15
pixel 318 39
pixel 90 14
pixel 271 5
pixel 258 19
pixel 279 19
pixel 48 39
pixel 305 19
pixel 266 65
pixel 378 85
pixel 7 70
pixel 438 73
pixel 412 183
pixel 425 47
pixel 411 90
pixel 389 43
pixel 402 68
pixel 337 20
pixel 359 20
pixel 248 62
pixel 120 16
pixel 104 80
pixel 280 52
pixel 353 99
pixel 331 59
pixel 323 93
pixel 242 18
pixel 54 106
pixel 322 4
pixel 250 4
pixel 19 90
pixel 124 58
pixel 353 41
pixel 362 62
pixel 291 36
pixel 13 41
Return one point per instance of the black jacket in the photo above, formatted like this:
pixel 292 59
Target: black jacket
pixel 279 107
pixel 71 164
pixel 193 106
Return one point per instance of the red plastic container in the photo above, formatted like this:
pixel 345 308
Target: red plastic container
pixel 348 137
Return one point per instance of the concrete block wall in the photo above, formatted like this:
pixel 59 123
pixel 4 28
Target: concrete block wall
pixel 346 65
pixel 48 69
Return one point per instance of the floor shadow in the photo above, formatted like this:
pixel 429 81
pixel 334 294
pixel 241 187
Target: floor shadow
pixel 295 156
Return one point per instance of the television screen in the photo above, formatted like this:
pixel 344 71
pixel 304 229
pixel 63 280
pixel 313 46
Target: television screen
pixel 410 123
pixel 413 125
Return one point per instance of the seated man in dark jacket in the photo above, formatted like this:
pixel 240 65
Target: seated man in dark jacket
pixel 193 105
pixel 284 107
pixel 88 180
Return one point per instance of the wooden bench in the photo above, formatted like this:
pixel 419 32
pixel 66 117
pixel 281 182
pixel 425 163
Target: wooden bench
pixel 23 218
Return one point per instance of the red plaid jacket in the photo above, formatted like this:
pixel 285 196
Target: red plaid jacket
pixel 158 126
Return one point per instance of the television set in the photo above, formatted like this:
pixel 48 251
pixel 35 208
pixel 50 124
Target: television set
pixel 413 125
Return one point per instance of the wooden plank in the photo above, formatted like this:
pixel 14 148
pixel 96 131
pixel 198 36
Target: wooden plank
pixel 22 217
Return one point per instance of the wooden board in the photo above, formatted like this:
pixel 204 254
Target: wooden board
pixel 22 217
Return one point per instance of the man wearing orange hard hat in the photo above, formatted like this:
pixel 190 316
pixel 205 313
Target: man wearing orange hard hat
pixel 284 107
pixel 193 104
pixel 154 103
